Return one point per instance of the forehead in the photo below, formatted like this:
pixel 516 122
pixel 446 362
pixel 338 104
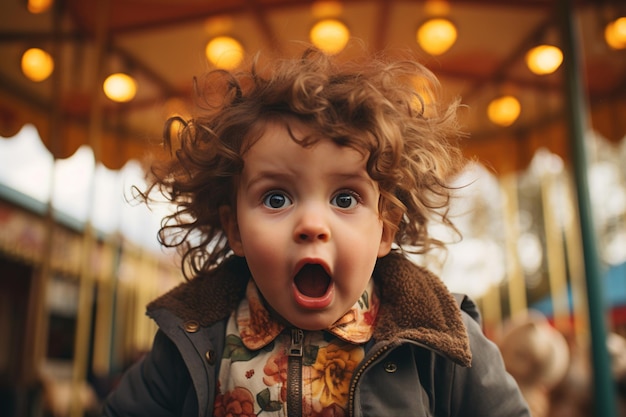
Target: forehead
pixel 289 127
pixel 289 132
pixel 286 149
pixel 305 134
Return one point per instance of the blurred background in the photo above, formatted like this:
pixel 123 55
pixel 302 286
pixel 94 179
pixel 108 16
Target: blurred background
pixel 85 87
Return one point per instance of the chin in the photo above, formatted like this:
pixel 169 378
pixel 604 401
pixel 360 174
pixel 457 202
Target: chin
pixel 311 328
pixel 313 324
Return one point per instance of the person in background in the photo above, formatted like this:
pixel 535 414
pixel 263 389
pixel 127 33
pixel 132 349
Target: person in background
pixel 537 356
pixel 574 395
pixel 300 187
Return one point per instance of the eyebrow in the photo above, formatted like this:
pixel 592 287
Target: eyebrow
pixel 267 175
pixel 361 177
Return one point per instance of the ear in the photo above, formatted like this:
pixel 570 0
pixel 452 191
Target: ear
pixel 393 215
pixel 228 218
pixel 386 240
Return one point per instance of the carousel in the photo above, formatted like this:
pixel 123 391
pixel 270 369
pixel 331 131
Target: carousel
pixel 85 88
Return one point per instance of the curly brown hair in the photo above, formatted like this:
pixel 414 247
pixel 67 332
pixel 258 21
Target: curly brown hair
pixel 388 109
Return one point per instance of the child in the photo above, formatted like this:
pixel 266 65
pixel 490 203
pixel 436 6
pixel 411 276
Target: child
pixel 298 191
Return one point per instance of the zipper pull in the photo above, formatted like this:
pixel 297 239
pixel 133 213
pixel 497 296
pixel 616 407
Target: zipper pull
pixel 294 374
pixel 297 339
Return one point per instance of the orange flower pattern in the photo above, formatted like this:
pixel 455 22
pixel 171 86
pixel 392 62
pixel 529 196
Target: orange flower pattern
pixel 329 377
pixel 238 402
pixel 275 372
pixel 253 373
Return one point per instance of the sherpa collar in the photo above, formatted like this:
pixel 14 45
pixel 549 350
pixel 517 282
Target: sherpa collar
pixel 414 303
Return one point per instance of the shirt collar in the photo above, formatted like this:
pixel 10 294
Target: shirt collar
pixel 258 328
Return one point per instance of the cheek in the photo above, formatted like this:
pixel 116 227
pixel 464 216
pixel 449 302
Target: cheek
pixel 259 241
pixel 362 248
pixel 265 260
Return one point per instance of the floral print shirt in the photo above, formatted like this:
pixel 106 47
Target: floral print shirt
pixel 253 372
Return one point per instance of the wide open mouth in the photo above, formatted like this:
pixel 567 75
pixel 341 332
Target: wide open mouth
pixel 312 281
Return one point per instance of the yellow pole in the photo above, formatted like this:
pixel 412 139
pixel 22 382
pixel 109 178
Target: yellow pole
pixel 103 332
pixel 575 262
pixel 37 321
pixel 516 283
pixel 557 275
pixel 492 312
pixel 83 323
pixel 86 289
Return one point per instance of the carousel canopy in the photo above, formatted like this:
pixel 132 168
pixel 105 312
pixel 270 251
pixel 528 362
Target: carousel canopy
pixel 78 189
pixel 162 46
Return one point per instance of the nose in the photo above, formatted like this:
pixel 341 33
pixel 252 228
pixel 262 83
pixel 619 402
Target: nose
pixel 312 226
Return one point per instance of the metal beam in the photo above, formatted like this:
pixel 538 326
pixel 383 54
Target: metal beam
pixel 577 113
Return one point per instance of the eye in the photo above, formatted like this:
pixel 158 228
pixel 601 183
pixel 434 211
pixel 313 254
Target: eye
pixel 345 200
pixel 276 200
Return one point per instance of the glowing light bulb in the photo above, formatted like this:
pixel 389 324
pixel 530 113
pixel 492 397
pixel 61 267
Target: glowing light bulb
pixel 224 52
pixel 38 6
pixel 37 64
pixel 330 36
pixel 544 59
pixel 120 87
pixel 615 33
pixel 436 36
pixel 504 110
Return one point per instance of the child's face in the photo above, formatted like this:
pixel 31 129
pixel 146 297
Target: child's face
pixel 308 225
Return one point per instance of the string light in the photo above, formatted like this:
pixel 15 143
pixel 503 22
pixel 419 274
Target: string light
pixel 544 59
pixel 504 110
pixel 436 36
pixel 615 33
pixel 330 35
pixel 37 64
pixel 120 87
pixel 224 52
pixel 38 6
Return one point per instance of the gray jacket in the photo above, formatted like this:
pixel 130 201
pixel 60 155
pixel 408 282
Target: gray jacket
pixel 428 357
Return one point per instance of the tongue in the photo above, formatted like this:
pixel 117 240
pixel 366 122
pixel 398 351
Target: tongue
pixel 312 281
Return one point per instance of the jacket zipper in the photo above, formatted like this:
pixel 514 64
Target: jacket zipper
pixel 294 374
pixel 359 373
